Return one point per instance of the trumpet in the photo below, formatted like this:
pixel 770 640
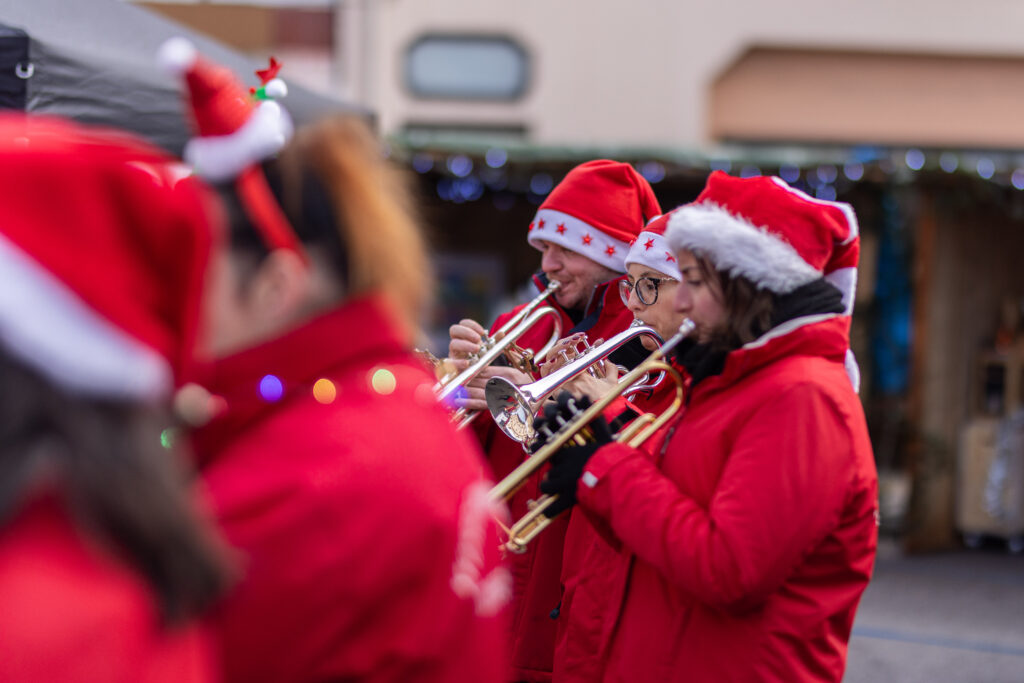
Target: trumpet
pixel 513 407
pixel 639 430
pixel 502 342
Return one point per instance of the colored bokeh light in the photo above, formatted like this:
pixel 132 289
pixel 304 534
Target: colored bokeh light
pixel 168 437
pixel 271 388
pixel 383 381
pixel 324 391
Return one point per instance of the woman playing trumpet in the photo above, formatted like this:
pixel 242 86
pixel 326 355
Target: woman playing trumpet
pixel 750 537
pixel 590 566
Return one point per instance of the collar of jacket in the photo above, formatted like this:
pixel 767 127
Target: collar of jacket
pixel 360 329
pixel 605 299
pixel 826 335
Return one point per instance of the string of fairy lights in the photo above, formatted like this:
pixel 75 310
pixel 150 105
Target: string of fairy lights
pixel 507 174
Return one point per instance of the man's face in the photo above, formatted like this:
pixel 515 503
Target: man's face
pixel 577 274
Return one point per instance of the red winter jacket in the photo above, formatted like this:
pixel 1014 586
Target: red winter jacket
pixel 592 567
pixel 360 515
pixel 536 573
pixel 750 542
pixel 72 613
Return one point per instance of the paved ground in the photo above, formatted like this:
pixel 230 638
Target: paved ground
pixel 936 618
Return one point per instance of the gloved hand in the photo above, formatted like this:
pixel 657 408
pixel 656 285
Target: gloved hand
pixel 568 463
pixel 556 413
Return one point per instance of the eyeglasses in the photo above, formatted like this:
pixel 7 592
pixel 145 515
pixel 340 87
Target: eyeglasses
pixel 646 289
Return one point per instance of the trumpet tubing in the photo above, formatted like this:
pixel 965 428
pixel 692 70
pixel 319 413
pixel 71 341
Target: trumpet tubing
pixel 513 407
pixel 639 430
pixel 501 343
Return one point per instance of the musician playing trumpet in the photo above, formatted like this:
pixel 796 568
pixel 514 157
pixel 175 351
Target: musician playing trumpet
pixel 748 537
pixel 583 229
pixel 590 563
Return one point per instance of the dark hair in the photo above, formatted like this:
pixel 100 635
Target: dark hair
pixel 104 460
pixel 343 198
pixel 748 309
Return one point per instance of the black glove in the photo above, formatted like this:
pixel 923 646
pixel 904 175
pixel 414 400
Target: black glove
pixel 556 414
pixel 568 463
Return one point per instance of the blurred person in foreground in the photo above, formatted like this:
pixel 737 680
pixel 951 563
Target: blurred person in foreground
pixel 360 515
pixel 103 561
pixel 748 536
pixel 583 230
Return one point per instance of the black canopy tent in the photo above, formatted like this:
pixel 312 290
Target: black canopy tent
pixel 95 61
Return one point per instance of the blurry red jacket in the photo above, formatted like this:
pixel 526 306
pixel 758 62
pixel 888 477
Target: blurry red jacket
pixel 537 590
pixel 70 612
pixel 751 541
pixel 360 519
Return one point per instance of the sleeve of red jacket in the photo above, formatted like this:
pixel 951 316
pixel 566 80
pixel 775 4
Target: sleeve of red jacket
pixel 780 492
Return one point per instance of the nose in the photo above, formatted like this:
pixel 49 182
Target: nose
pixel 551 260
pixel 633 302
pixel 681 300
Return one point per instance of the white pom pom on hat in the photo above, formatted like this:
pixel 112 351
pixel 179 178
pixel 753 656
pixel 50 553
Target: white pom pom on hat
pixel 177 55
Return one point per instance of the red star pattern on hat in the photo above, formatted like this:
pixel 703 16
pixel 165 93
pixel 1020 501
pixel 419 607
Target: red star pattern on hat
pixel 610 250
pixel 587 239
pixel 561 228
pixel 530 228
pixel 648 244
pixel 669 257
pixel 540 224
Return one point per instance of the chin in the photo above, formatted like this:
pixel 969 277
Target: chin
pixel 567 301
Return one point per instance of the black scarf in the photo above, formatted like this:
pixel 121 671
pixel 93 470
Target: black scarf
pixel 706 360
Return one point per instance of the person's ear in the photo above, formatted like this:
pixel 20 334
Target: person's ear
pixel 282 286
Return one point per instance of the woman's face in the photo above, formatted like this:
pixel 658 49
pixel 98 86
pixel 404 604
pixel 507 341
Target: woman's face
pixel 698 299
pixel 662 314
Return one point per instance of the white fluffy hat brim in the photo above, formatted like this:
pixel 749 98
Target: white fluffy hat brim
pixel 222 157
pixel 738 247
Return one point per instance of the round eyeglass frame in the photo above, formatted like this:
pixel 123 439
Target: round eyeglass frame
pixel 625 287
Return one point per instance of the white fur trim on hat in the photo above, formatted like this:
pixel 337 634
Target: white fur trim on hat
pixel 47 326
pixel 222 157
pixel 739 247
pixel 652 250
pixel 578 236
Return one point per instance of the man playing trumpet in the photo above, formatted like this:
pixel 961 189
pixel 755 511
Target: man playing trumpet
pixel 584 230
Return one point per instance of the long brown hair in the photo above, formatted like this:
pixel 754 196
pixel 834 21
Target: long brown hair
pixel 371 202
pixel 748 309
pixel 104 462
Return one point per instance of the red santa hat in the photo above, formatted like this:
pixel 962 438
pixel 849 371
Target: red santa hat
pixel 237 130
pixel 772 234
pixel 597 210
pixel 652 250
pixel 102 284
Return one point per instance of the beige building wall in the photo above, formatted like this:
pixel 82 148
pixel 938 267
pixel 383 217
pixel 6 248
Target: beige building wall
pixel 643 73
